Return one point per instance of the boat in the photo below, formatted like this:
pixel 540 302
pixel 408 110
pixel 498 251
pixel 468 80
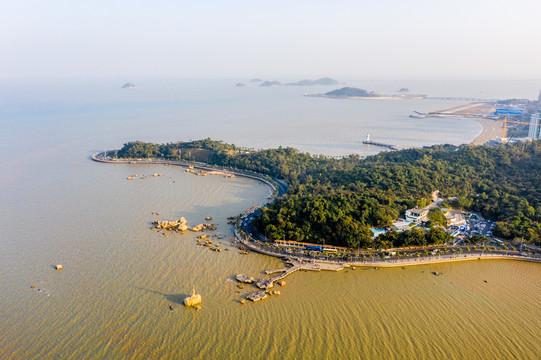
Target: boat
pixel 257 295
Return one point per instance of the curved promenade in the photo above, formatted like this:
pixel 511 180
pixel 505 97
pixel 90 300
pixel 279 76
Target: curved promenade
pixel 396 262
pixel 278 187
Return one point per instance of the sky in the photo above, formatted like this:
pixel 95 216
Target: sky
pixel 293 39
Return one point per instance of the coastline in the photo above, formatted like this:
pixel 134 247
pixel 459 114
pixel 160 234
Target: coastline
pixel 480 112
pixel 491 130
pixel 277 187
pixel 310 264
pixel 330 265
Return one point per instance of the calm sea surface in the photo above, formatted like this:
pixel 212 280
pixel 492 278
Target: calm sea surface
pixel 112 299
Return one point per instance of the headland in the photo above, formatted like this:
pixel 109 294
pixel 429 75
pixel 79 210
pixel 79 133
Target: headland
pixel 246 237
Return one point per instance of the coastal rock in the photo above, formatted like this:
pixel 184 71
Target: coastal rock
pixel 244 279
pixel 202 227
pixel 193 300
pixel 264 283
pixel 177 225
pixel 257 295
pixel 197 228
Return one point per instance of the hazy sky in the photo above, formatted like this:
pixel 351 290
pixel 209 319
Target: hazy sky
pixel 377 39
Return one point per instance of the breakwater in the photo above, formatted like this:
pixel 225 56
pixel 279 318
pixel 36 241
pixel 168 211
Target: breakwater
pixel 277 186
pixel 388 146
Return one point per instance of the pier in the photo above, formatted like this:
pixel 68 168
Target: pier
pixel 368 141
pixel 300 264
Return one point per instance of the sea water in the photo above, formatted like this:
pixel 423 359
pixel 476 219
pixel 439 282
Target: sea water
pixel 113 298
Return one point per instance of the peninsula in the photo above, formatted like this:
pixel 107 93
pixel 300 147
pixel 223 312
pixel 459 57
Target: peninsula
pixel 307 210
pixel 337 201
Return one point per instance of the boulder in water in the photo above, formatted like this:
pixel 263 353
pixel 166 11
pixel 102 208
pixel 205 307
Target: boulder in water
pixel 193 300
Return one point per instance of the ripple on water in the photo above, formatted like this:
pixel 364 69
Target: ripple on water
pixel 113 298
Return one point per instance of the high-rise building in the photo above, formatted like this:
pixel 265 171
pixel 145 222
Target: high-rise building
pixel 539 101
pixel 535 128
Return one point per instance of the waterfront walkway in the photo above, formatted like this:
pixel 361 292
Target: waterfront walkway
pixel 278 187
pixel 309 264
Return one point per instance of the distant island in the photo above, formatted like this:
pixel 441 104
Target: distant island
pixel 270 83
pixel 256 80
pixel 352 92
pixel 322 81
pixel 239 84
pixel 356 93
pixel 128 86
pixel 404 90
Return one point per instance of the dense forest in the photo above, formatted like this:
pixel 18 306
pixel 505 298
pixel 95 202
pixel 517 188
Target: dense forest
pixel 352 92
pixel 336 200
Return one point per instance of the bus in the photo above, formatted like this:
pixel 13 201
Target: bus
pixel 312 247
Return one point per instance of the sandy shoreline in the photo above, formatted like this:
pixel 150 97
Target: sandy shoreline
pixel 492 129
pixel 477 112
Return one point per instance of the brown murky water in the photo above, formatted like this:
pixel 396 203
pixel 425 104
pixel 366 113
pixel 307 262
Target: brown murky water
pixel 112 299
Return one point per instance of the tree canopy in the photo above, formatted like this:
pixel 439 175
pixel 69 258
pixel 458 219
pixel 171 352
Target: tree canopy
pixel 336 200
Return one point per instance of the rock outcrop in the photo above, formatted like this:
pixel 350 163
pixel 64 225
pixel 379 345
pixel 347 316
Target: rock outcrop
pixel 193 300
pixel 181 225
pixel 202 227
pixel 177 225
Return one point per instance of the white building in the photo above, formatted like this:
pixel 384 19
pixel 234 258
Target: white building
pixel 534 132
pixel 417 215
pixel 455 218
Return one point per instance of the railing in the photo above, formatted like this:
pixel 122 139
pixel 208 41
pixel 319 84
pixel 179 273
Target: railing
pixel 272 183
pixel 376 258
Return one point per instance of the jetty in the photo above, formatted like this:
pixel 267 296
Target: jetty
pixel 368 141
pixel 294 266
